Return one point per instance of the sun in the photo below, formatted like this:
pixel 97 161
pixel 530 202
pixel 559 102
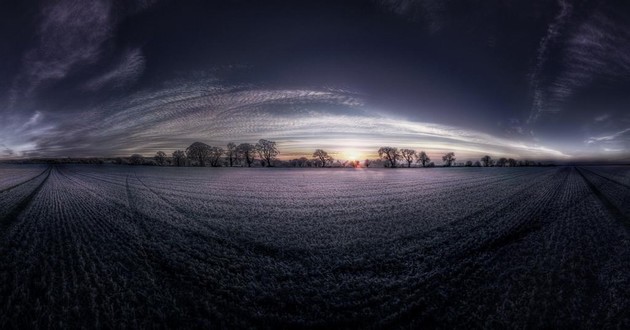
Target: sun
pixel 351 155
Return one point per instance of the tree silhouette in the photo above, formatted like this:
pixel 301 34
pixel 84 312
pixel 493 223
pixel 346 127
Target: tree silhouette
pixel 487 161
pixel 214 156
pixel 423 158
pixel 502 162
pixel 512 162
pixel 390 155
pixel 448 159
pixel 469 163
pixel 367 163
pixel 323 157
pixel 160 158
pixel 231 153
pixel 267 151
pixel 136 159
pixel 179 157
pixel 198 151
pixel 408 155
pixel 303 161
pixel 246 152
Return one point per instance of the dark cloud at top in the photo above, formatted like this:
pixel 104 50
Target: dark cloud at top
pixel 538 79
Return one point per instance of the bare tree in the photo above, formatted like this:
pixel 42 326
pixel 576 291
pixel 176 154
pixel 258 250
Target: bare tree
pixel 136 159
pixel 231 153
pixel 512 162
pixel 214 156
pixel 160 158
pixel 390 155
pixel 247 152
pixel 448 159
pixel 179 158
pixel 469 163
pixel 502 162
pixel 198 151
pixel 423 158
pixel 487 161
pixel 267 151
pixel 408 155
pixel 303 161
pixel 323 157
pixel 367 163
pixel 477 164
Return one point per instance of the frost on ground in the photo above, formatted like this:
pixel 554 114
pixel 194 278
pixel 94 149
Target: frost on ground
pixel 115 246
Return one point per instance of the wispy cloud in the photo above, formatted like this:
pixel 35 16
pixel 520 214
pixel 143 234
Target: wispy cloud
pixel 597 48
pixel 432 12
pixel 298 119
pixel 71 33
pixel 553 34
pixel 127 70
pixel 620 136
pixel 602 118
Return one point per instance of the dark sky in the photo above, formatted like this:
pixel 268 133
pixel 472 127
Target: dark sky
pixel 526 79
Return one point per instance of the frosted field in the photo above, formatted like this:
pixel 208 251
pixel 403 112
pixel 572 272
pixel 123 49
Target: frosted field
pixel 118 246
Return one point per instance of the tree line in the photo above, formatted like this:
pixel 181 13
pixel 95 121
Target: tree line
pixel 200 154
pixel 264 153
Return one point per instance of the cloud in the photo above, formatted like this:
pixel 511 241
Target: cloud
pixel 602 118
pixel 597 48
pixel 621 136
pixel 431 12
pixel 6 151
pixel 127 70
pixel 553 34
pixel 300 120
pixel 70 34
pixel 73 35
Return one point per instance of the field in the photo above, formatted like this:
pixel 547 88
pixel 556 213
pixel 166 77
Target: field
pixel 123 246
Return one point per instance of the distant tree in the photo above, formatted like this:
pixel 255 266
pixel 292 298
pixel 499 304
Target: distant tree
pixel 502 162
pixel 423 158
pixel 487 161
pixel 179 158
pixel 512 162
pixel 136 159
pixel 367 163
pixel 323 157
pixel 160 158
pixel 199 152
pixel 355 163
pixel 120 161
pixel 477 164
pixel 431 164
pixel 302 162
pixel 214 156
pixel 469 163
pixel 390 155
pixel 408 155
pixel 448 158
pixel 267 150
pixel 231 154
pixel 247 152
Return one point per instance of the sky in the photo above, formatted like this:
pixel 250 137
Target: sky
pixel 540 80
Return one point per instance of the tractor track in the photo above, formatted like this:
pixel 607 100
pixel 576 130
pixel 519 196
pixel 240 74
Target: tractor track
pixel 25 182
pixel 7 220
pixel 614 211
